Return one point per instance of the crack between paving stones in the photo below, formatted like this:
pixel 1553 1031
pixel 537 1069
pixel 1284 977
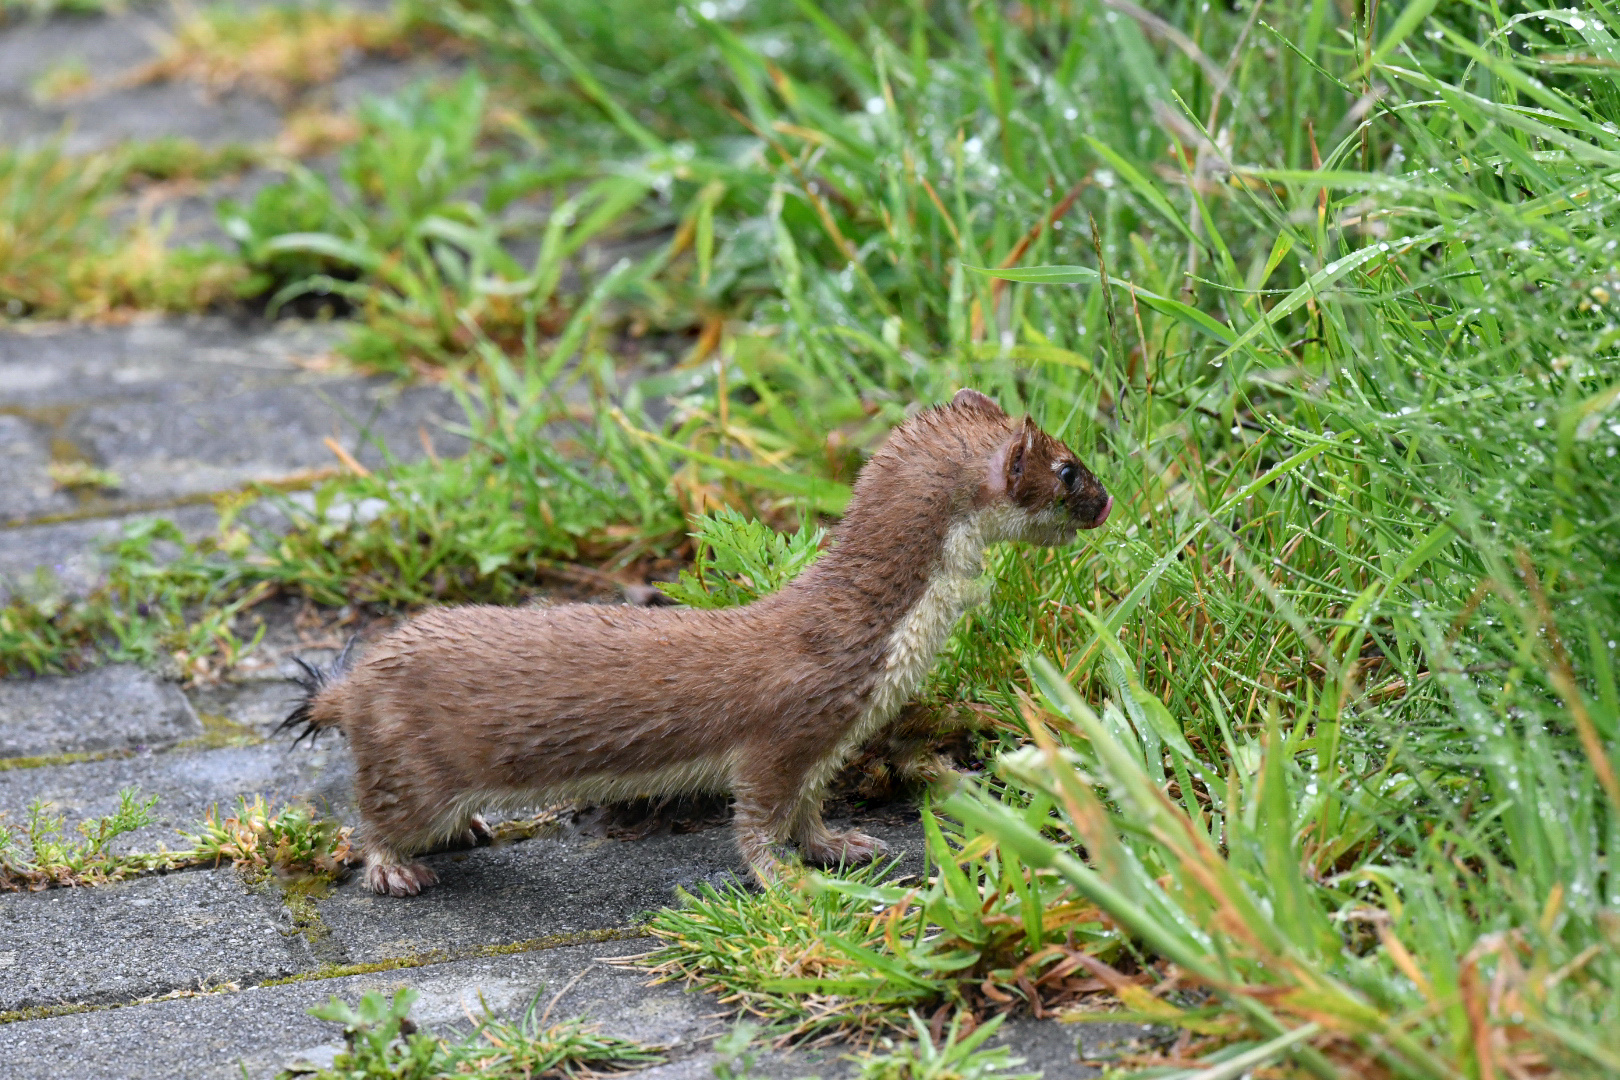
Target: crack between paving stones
pixel 429 958
pixel 301 480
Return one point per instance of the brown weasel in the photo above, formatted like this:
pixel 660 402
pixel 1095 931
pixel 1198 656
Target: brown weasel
pixel 470 708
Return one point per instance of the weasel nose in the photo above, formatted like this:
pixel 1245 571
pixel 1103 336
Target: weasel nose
pixel 1102 515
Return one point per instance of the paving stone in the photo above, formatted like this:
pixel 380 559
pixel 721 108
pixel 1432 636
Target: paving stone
pixel 72 553
pixel 539 888
pixel 259 704
pixel 25 456
pixel 187 784
pixel 189 445
pixel 182 408
pixel 265 1029
pixel 56 364
pixel 116 707
pixel 140 938
pixel 95 121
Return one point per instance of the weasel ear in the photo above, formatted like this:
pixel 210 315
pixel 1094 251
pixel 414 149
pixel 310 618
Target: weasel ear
pixel 1007 464
pixel 972 399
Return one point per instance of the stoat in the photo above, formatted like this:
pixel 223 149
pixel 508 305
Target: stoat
pixel 466 709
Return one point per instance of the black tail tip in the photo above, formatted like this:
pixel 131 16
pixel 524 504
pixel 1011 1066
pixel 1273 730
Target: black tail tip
pixel 311 683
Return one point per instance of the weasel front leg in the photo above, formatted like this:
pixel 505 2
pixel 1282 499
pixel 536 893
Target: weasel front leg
pixel 392 874
pixel 821 845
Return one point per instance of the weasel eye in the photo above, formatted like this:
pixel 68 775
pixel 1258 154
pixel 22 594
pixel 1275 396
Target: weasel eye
pixel 1067 475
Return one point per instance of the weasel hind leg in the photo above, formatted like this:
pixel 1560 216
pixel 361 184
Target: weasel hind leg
pixel 388 873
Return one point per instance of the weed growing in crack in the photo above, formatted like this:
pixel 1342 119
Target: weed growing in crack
pixel 53 857
pixel 384 1043
pixel 39 854
pixel 258 837
pixel 957 1055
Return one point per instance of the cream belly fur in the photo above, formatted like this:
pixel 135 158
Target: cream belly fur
pixel 957 585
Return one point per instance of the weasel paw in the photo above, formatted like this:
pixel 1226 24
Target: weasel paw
pixel 479 833
pixel 849 847
pixel 400 879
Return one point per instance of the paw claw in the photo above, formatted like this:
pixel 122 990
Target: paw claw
pixel 482 835
pixel 400 879
pixel 844 847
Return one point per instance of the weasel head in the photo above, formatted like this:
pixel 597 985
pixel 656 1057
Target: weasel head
pixel 1043 492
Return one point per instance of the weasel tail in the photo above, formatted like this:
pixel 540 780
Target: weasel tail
pixel 312 715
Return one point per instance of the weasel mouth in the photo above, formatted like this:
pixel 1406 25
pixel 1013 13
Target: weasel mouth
pixel 1102 515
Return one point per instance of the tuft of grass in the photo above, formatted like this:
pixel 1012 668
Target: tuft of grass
pixel 62 79
pixel 174 157
pixel 383 1042
pixel 39 854
pixel 960 1055
pixel 58 256
pixel 737 560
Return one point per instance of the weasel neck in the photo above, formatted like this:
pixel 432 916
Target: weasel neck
pixel 888 600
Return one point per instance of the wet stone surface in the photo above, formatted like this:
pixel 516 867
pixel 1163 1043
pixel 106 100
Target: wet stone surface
pixel 184 409
pixel 187 784
pixel 119 707
pixel 135 939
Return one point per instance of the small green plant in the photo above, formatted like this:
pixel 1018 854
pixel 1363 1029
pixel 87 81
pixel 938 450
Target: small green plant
pixel 55 858
pixel 258 837
pixel 738 560
pixel 956 1057
pixel 173 157
pixel 734 1052
pixel 385 1044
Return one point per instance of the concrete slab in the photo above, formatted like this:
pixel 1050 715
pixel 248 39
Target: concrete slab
pixel 56 364
pixel 118 707
pixel 25 457
pixel 521 892
pixel 94 122
pixel 140 938
pixel 182 408
pixel 185 443
pixel 186 783
pixel 72 553
pixel 266 1029
pixel 540 888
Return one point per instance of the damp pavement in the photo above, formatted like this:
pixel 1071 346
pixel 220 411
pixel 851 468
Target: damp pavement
pixel 204 972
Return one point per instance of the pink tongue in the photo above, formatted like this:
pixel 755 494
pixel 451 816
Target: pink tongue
pixel 1108 508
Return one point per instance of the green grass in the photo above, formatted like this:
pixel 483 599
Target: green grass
pixel 383 1043
pixel 1324 724
pixel 41 854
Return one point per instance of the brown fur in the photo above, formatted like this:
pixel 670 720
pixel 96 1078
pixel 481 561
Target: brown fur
pixel 466 708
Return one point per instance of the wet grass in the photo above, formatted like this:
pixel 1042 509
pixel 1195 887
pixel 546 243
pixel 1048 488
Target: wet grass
pixel 383 1042
pixel 1321 731
pixel 41 853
